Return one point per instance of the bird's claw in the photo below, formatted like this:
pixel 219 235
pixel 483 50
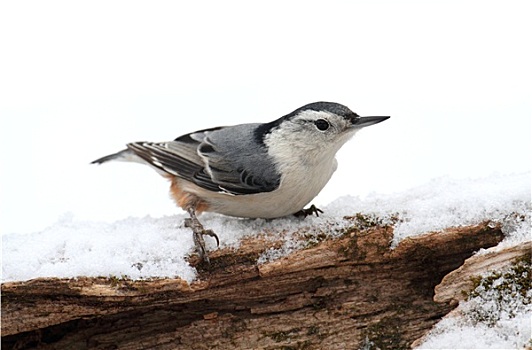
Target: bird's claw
pixel 312 210
pixel 198 233
pixel 212 234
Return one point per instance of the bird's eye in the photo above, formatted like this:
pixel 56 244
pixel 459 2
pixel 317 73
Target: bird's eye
pixel 322 124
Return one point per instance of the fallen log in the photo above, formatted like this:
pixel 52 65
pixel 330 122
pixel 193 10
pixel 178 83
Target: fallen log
pixel 343 292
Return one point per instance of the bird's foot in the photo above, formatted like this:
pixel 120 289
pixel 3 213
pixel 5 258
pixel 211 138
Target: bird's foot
pixel 312 210
pixel 198 232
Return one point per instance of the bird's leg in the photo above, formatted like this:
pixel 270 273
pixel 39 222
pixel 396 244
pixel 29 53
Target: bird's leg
pixel 198 232
pixel 312 210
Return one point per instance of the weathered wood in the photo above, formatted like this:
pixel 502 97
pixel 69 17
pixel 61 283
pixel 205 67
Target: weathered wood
pixel 338 294
pixel 455 286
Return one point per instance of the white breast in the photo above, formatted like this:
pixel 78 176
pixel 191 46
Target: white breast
pixel 298 187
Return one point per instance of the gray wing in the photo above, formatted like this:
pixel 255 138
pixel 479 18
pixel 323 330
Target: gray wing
pixel 226 159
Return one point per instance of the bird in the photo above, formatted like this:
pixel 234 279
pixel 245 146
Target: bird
pixel 254 170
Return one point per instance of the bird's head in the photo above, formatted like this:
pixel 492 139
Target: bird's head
pixel 320 127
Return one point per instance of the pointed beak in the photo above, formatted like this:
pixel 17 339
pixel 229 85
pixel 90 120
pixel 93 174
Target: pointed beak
pixel 362 122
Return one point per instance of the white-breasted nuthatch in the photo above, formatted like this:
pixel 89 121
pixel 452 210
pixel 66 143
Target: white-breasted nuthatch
pixel 254 170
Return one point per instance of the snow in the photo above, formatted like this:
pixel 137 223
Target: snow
pixel 157 247
pixel 148 247
pixel 446 202
pixel 492 319
pixel 455 333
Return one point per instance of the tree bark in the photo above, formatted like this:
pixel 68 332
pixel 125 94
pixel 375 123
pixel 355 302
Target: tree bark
pixel 346 292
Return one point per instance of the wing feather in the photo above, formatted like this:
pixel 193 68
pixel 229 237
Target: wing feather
pixel 219 159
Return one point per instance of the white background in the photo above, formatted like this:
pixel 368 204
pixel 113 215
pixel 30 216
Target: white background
pixel 78 80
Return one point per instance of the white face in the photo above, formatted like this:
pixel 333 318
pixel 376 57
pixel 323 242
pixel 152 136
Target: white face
pixel 317 130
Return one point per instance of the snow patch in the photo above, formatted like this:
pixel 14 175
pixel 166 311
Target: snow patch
pixel 446 202
pixel 157 247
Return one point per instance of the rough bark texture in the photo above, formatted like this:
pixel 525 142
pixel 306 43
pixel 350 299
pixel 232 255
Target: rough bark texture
pixel 341 293
pixel 451 288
